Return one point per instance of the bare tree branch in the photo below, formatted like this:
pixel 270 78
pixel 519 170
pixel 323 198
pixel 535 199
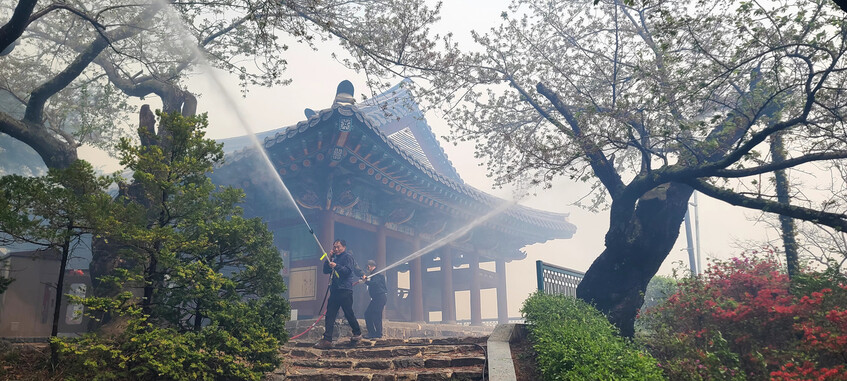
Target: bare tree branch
pixel 56 6
pixel 39 96
pixel 789 163
pixel 603 168
pixel 834 220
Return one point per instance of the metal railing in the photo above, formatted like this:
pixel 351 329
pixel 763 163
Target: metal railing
pixel 553 279
pixel 491 322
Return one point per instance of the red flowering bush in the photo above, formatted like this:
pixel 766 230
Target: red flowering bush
pixel 742 319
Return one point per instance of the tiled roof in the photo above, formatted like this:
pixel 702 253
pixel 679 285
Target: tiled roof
pixel 401 145
pixel 397 115
pixel 406 140
pixel 548 220
pixel 240 142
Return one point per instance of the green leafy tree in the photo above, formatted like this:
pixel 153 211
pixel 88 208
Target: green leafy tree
pixel 54 212
pixel 646 102
pixel 199 282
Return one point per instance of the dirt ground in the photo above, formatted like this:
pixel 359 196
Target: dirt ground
pixel 524 358
pixel 25 362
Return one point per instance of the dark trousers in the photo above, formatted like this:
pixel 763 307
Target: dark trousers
pixel 373 315
pixel 344 300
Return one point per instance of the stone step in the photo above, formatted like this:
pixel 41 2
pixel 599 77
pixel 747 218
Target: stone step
pixel 394 363
pixel 385 359
pixel 470 374
pixel 395 341
pixel 385 352
pixel 390 329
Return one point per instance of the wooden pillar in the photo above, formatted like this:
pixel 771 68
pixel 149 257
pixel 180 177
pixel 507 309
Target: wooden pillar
pixel 326 234
pixel 448 294
pixel 502 306
pixel 476 310
pixel 392 282
pixel 416 284
pixel 381 256
pixel 381 259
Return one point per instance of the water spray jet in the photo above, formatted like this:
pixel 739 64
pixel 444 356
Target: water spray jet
pixel 450 237
pixel 216 81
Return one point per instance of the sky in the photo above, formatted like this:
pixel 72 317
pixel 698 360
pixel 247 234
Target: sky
pixel 315 77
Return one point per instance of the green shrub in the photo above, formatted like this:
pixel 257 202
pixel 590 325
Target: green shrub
pixel 199 295
pixel 574 341
pixel 240 342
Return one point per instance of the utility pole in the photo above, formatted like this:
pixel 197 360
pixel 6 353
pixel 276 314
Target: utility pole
pixel 695 263
pixel 691 260
pixel 697 232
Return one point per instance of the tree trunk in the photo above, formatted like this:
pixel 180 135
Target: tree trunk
pixel 176 100
pixel 55 152
pixel 198 317
pixel 150 285
pixel 783 195
pixel 639 239
pixel 57 308
pixel 13 29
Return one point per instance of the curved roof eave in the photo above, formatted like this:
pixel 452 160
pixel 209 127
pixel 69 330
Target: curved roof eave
pixel 556 224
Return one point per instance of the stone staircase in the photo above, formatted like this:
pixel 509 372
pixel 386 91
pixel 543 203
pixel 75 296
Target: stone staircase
pixel 390 359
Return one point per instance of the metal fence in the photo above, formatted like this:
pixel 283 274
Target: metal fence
pixel 492 321
pixel 553 279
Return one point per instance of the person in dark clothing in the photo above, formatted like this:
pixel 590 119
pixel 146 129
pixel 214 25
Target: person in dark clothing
pixel 344 273
pixel 378 292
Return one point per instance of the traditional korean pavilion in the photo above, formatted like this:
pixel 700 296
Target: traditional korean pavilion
pixel 374 175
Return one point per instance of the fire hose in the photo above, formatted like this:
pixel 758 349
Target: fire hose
pixel 323 304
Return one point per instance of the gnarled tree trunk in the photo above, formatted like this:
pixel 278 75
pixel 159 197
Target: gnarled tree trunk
pixel 56 152
pixel 640 237
pixel 13 29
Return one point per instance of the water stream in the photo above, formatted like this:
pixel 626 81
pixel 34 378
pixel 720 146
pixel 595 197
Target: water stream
pixel 218 84
pixel 450 237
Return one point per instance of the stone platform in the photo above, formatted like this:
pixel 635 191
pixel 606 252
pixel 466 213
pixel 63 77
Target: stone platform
pixel 394 330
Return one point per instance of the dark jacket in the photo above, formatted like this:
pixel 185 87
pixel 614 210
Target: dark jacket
pixel 376 285
pixel 348 272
